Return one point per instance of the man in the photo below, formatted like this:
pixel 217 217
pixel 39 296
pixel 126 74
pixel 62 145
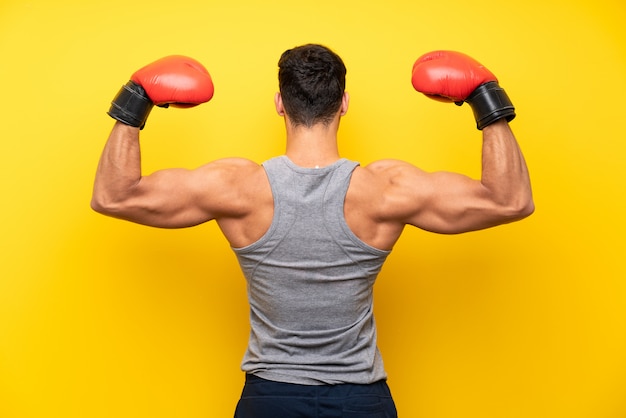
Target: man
pixel 311 230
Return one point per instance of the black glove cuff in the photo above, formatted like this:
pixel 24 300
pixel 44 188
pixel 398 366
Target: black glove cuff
pixel 131 105
pixel 489 102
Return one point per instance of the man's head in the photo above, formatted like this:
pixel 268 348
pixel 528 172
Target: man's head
pixel 312 81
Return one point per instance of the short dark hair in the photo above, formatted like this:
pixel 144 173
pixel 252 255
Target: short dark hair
pixel 312 80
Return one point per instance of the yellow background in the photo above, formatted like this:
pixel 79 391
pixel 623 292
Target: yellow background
pixel 102 318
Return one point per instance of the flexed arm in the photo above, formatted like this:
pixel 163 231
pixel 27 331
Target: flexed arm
pixel 450 202
pixel 165 198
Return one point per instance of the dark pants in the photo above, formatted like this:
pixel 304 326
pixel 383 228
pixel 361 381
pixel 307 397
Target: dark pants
pixel 266 399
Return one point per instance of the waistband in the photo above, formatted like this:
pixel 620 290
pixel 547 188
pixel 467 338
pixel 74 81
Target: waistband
pixel 257 386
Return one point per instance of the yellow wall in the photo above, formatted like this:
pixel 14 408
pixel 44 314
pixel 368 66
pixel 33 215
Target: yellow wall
pixel 101 318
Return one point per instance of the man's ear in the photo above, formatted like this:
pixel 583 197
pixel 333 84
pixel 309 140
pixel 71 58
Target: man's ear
pixel 345 102
pixel 278 102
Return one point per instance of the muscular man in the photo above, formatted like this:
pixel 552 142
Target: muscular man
pixel 311 229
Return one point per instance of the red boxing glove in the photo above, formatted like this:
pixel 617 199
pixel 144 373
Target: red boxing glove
pixel 451 76
pixel 175 80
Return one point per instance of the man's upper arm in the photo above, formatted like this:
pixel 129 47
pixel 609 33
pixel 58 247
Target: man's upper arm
pixel 178 198
pixel 441 202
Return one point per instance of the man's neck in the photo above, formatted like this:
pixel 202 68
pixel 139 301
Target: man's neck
pixel 314 146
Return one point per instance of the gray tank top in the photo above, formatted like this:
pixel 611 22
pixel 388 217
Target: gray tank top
pixel 310 282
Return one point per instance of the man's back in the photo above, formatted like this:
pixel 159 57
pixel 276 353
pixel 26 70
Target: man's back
pixel 310 282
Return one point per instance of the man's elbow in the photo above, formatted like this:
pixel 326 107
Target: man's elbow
pixel 520 209
pixel 529 209
pixel 103 205
pixel 99 206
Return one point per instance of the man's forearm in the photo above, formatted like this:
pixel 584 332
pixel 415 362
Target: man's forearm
pixel 504 170
pixel 119 169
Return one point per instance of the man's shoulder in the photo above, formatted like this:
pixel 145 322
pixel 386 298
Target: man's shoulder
pixel 232 167
pixel 236 162
pixel 388 167
pixel 375 177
